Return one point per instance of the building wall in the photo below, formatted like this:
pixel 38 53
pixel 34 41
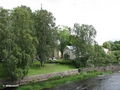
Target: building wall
pixel 57 54
pixel 70 53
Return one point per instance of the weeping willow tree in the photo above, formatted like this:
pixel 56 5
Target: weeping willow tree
pixel 84 36
pixel 18 49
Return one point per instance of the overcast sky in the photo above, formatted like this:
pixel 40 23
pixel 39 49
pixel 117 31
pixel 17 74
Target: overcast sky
pixel 104 15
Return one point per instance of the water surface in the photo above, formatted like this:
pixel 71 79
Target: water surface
pixel 106 82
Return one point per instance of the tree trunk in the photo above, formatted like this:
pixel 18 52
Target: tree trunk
pixel 41 63
pixel 61 55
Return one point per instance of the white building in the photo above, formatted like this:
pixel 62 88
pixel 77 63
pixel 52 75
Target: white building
pixel 106 50
pixel 70 51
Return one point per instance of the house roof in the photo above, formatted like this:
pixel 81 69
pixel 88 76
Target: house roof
pixel 70 47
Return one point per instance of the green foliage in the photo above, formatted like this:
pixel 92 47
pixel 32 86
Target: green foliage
pixel 97 55
pixel 60 61
pixel 4 31
pixel 107 45
pixel 66 56
pixel 64 34
pixel 110 59
pixel 80 69
pixel 1 87
pixel 55 78
pixel 44 25
pixel 78 62
pixel 117 54
pixel 118 60
pixel 116 47
pixel 18 44
pixel 2 73
pixel 55 82
pixel 117 42
pixel 84 38
pixel 48 68
pixel 100 58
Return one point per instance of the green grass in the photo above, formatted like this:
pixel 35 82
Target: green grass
pixel 48 68
pixel 59 81
pixel 36 69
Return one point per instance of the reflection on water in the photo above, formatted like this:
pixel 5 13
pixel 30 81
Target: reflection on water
pixel 107 82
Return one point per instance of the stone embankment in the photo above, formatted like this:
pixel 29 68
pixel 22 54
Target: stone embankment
pixel 43 77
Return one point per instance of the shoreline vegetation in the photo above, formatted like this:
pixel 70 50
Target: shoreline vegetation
pixel 58 80
pixel 35 69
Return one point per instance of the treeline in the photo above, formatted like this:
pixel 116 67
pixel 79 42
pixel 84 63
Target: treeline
pixel 114 48
pixel 25 35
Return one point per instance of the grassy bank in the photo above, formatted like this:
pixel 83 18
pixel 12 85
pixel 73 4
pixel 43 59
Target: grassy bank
pixel 36 69
pixel 58 80
pixel 48 68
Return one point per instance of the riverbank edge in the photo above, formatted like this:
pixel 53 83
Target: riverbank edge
pixel 44 77
pixel 47 85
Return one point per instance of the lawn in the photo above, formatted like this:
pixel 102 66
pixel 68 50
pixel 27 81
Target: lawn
pixel 48 68
pixel 36 69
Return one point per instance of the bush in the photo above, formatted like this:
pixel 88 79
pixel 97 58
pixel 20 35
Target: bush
pixel 110 59
pixel 80 69
pixel 117 54
pixel 66 62
pixel 54 78
pixel 54 61
pixel 60 61
pixel 77 62
pixel 66 56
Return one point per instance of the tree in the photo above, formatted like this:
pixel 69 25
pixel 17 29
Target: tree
pixel 110 59
pixel 4 30
pixel 116 47
pixel 84 38
pixel 99 54
pixel 20 48
pixel 44 30
pixel 63 38
pixel 107 45
pixel 117 42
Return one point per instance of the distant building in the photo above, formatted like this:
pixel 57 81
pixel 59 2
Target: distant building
pixel 106 50
pixel 57 54
pixel 70 51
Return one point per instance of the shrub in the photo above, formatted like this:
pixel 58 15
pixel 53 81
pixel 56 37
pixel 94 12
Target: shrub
pixel 117 54
pixel 66 62
pixel 110 59
pixel 77 62
pixel 66 56
pixel 54 78
pixel 60 61
pixel 80 69
pixel 54 61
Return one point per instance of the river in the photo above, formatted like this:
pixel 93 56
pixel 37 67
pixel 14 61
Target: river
pixel 103 82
